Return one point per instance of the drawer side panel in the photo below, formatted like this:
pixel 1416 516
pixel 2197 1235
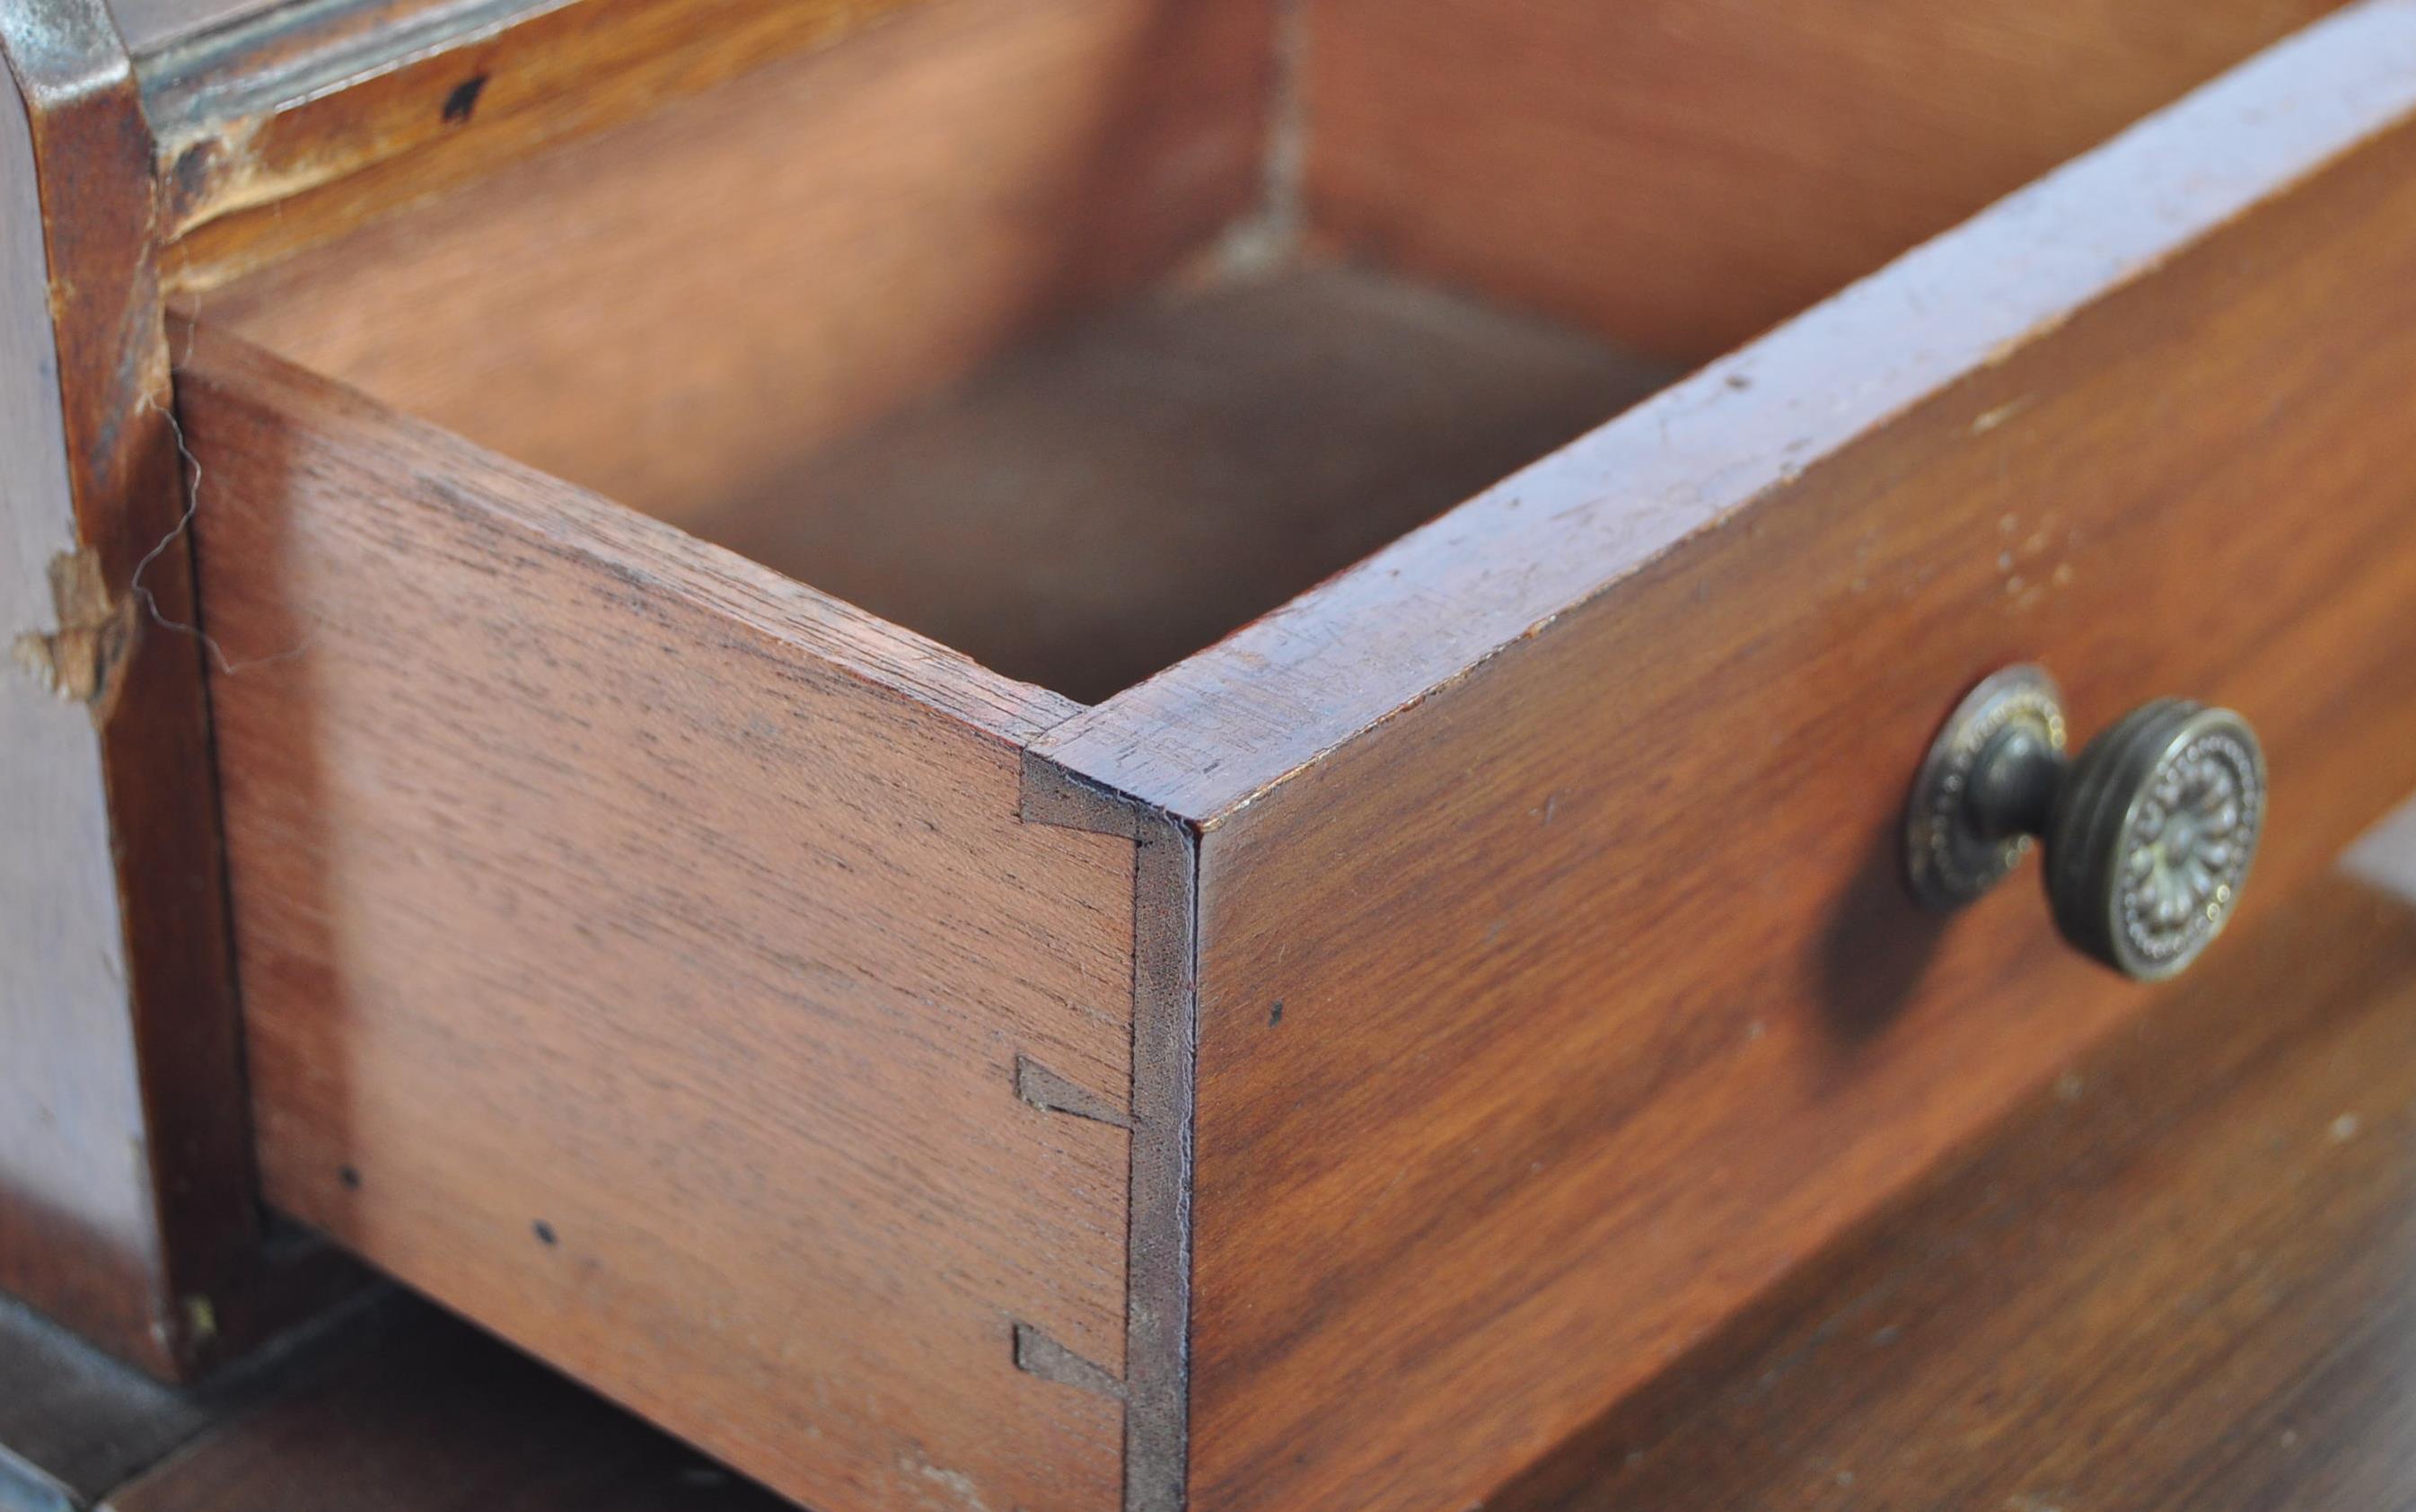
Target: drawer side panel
pixel 639 952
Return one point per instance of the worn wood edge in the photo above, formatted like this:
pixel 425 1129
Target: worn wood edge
pixel 253 117
pixel 143 685
pixel 1156 1385
pixel 1221 727
pixel 641 550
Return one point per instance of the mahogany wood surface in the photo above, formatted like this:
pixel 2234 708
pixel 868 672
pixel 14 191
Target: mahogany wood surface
pixel 2181 1280
pixel 612 911
pixel 639 949
pixel 675 311
pixel 293 124
pixel 125 1189
pixel 1557 990
pixel 1715 165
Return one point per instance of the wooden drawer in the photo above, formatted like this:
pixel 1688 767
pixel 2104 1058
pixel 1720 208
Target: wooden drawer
pixel 1051 1065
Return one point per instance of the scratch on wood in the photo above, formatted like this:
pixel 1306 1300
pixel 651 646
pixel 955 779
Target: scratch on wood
pixel 1052 1093
pixel 1995 417
pixel 77 662
pixel 1036 1354
pixel 961 1487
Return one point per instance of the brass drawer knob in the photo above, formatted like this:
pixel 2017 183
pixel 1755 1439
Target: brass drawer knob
pixel 2149 832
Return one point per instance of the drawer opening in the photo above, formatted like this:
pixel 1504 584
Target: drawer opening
pixel 1101 501
pixel 1075 335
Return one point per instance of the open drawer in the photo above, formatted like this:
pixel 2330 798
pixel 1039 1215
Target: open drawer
pixel 1047 975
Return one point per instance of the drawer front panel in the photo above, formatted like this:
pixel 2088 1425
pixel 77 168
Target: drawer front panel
pixel 1567 995
pixel 639 951
pixel 1601 1001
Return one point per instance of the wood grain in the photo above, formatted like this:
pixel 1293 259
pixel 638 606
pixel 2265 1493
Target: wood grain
pixel 1681 175
pixel 291 125
pixel 638 951
pixel 2179 1282
pixel 124 1191
pixel 673 313
pixel 1557 990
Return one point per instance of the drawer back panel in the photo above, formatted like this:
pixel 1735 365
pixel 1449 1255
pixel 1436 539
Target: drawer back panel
pixel 1716 165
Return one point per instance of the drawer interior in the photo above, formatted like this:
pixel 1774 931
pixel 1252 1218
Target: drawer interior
pixel 1076 334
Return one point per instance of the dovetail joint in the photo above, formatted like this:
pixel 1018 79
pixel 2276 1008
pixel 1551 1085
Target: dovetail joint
pixel 1052 1093
pixel 1036 1354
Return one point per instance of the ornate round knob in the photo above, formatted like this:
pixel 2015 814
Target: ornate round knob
pixel 2150 832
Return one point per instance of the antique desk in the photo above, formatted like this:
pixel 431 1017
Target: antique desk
pixel 1090 754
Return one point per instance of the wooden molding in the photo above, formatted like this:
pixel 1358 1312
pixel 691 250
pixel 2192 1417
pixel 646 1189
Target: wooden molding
pixel 116 998
pixel 293 124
